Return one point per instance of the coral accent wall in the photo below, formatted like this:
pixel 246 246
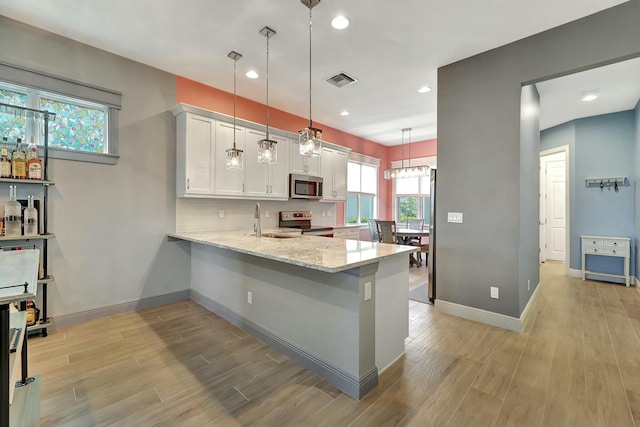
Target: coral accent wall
pixel 210 98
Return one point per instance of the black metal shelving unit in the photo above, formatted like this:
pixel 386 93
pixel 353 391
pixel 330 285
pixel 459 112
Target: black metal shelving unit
pixel 7 242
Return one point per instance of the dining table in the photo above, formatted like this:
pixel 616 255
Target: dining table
pixel 404 236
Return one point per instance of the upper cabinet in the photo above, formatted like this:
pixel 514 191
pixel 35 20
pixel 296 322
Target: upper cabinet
pixel 195 155
pixel 229 182
pixel 301 164
pixel 334 174
pixel 203 137
pixel 263 181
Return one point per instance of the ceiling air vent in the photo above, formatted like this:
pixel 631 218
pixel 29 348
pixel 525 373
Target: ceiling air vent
pixel 341 80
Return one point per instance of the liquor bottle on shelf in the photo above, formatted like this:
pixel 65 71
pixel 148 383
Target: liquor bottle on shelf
pixel 12 215
pixel 5 160
pixel 18 162
pixel 30 218
pixel 34 164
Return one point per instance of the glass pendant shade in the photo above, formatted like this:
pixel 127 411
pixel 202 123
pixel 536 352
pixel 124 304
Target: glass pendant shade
pixel 267 151
pixel 310 142
pixel 406 171
pixel 310 138
pixel 234 158
pixel 234 155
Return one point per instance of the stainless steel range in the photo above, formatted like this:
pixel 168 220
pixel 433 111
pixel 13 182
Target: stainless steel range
pixel 302 220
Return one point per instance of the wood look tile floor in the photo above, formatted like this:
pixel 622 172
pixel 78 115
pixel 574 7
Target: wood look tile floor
pixel 577 363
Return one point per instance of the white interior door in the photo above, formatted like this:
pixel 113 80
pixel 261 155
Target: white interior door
pixel 556 209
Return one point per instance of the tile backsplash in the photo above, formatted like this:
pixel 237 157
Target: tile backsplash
pixel 226 214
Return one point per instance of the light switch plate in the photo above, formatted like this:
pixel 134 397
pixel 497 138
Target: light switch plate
pixel 455 217
pixel 495 292
pixel 220 213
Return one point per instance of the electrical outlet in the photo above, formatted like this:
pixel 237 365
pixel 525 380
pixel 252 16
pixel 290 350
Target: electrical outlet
pixel 367 291
pixel 528 285
pixel 267 214
pixel 220 213
pixel 495 292
pixel 328 213
pixel 249 297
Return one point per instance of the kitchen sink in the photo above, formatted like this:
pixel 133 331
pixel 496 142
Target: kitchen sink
pixel 279 235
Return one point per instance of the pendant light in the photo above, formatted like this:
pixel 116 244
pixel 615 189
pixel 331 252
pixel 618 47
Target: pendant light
pixel 408 171
pixel 310 138
pixel 234 155
pixel 267 148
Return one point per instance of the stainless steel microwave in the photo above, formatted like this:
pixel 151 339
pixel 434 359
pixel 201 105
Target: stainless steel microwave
pixel 305 187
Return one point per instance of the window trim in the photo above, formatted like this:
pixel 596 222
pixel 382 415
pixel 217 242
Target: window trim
pixel 361 160
pixel 55 86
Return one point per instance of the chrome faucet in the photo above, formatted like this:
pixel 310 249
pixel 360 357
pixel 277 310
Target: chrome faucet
pixel 257 227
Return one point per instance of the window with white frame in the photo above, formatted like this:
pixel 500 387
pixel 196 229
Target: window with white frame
pixel 85 126
pixel 362 189
pixel 79 125
pixel 412 198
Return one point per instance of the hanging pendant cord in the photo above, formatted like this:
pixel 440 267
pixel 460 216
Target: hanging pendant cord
pixel 310 21
pixel 234 103
pixel 403 148
pixel 268 36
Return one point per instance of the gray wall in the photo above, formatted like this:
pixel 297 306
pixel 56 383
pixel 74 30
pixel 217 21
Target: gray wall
pixel 529 274
pixel 479 152
pixel 601 146
pixel 637 185
pixel 110 221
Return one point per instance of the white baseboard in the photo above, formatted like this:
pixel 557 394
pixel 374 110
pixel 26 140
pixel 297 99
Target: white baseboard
pixel 488 317
pixel 575 273
pixel 112 310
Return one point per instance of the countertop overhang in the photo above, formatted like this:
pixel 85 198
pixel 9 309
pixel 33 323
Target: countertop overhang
pixel 318 253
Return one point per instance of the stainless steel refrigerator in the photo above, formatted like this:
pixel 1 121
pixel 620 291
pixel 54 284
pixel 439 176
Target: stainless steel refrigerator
pixel 432 239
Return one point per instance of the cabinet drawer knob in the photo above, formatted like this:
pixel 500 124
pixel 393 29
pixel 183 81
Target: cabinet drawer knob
pixel 614 251
pixel 615 243
pixel 594 242
pixel 595 250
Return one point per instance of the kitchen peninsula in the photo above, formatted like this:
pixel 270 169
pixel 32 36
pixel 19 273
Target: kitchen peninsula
pixel 338 307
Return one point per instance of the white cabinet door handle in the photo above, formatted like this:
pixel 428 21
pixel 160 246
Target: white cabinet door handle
pixel 188 184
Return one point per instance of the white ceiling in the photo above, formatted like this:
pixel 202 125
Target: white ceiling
pixel 617 86
pixel 391 47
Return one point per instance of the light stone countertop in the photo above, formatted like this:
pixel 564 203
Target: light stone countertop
pixel 318 253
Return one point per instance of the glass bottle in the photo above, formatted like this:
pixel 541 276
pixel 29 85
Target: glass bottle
pixel 12 215
pixel 30 218
pixel 18 162
pixel 34 164
pixel 5 160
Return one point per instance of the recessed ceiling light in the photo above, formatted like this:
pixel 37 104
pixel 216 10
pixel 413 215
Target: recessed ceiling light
pixel 424 89
pixel 340 22
pixel 252 74
pixel 590 95
pixel 344 113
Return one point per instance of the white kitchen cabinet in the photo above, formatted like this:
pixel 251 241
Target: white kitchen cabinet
pixel 302 164
pixel 264 181
pixel 195 155
pixel 334 174
pixel 228 182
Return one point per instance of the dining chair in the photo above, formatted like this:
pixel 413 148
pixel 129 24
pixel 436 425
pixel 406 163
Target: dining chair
pixel 373 229
pixel 386 231
pixel 419 241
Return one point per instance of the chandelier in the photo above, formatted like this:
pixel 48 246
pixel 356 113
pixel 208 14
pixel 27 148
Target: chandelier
pixel 406 171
